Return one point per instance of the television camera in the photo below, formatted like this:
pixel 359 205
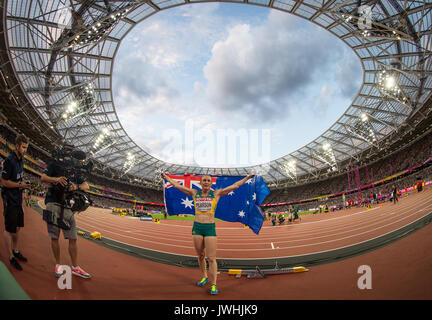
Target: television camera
pixel 75 167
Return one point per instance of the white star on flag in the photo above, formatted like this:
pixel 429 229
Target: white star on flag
pixel 249 181
pixel 187 203
pixel 247 202
pixel 241 214
pixel 254 196
pixel 231 193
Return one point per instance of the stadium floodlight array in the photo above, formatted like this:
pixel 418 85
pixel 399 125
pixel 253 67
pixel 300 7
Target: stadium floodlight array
pixel 389 84
pixel 97 30
pixel 129 163
pixel 326 155
pixel 290 168
pixel 363 129
pixel 104 140
pixel 84 104
pixel 80 34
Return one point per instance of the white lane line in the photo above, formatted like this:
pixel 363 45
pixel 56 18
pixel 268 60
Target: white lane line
pixel 272 245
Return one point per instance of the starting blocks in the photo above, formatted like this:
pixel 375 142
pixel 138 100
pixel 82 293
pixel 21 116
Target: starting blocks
pixel 96 235
pixel 157 221
pixel 258 273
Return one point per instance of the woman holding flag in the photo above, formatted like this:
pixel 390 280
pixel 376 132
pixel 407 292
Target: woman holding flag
pixel 204 230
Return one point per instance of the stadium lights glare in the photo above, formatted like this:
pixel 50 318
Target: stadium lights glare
pixel 363 129
pixel 292 163
pixel 388 83
pixel 366 33
pixel 326 146
pixel 129 163
pixel 84 104
pixel 290 169
pixel 70 110
pixel 327 156
pixel 103 141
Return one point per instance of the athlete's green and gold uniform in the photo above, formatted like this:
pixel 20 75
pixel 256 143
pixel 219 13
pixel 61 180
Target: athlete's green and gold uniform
pixel 204 205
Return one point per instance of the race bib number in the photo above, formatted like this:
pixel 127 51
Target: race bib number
pixel 204 204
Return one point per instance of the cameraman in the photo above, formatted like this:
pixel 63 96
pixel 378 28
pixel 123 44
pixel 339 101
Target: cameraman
pixel 55 175
pixel 12 187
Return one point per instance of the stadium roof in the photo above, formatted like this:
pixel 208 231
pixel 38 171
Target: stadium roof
pixel 62 52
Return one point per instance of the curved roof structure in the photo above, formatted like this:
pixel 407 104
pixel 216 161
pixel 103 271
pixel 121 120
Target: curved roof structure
pixel 62 53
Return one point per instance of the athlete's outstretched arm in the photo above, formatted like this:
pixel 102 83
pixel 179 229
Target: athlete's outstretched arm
pixel 238 184
pixel 188 191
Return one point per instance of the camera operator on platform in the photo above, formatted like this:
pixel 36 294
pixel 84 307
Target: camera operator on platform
pixel 61 182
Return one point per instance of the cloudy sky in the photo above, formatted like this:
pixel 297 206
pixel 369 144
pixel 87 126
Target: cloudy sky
pixel 187 77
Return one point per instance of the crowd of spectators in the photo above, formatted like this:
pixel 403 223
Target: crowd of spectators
pixel 103 202
pixel 36 187
pixel 139 193
pixel 9 137
pixel 112 193
pixel 360 197
pixel 414 155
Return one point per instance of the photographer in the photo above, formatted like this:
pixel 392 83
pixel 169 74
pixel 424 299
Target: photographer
pixel 63 181
pixel 12 187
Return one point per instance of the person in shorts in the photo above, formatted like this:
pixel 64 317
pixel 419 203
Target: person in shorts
pixel 12 188
pixel 204 228
pixel 55 175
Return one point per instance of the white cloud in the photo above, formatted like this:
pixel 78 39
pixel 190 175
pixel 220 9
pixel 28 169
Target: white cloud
pixel 263 71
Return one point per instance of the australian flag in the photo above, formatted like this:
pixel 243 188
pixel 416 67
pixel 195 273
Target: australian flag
pixel 241 205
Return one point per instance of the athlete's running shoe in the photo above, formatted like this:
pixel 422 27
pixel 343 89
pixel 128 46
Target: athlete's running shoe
pixel 213 289
pixel 202 282
pixel 19 256
pixel 15 263
pixel 80 272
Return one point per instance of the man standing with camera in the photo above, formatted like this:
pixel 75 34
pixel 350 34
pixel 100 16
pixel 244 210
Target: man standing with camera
pixel 61 183
pixel 12 187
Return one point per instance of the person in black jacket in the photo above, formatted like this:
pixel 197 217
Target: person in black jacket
pixel 12 188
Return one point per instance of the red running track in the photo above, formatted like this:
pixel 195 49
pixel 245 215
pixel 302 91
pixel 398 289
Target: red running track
pixel 315 233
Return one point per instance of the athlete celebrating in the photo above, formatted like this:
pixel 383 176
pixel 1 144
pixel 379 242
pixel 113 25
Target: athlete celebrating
pixel 204 229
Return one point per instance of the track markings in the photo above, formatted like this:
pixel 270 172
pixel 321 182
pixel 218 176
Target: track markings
pixel 273 247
